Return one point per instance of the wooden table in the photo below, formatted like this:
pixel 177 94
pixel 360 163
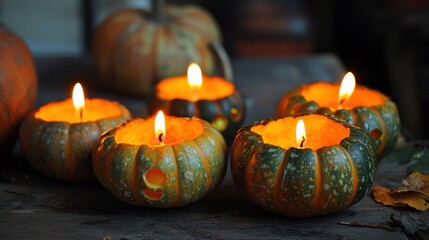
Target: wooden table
pixel 33 206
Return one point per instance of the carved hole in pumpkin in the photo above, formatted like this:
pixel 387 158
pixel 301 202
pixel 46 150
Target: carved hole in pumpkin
pixel 220 122
pixel 152 195
pixel 375 134
pixel 154 179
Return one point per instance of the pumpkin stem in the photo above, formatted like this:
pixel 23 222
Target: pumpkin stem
pixel 158 10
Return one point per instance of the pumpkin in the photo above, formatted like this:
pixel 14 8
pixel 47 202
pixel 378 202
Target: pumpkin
pixel 220 103
pixel 332 173
pixel 63 149
pixel 138 170
pixel 18 86
pixel 368 109
pixel 135 48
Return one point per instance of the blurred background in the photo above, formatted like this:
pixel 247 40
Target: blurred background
pixel 385 43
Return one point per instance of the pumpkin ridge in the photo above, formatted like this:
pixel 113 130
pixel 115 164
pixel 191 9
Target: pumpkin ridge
pixel 136 181
pixel 107 162
pixel 280 178
pixel 318 176
pixel 126 37
pixel 250 165
pixel 177 174
pixel 354 174
pixel 206 165
pixel 383 136
pixel 70 157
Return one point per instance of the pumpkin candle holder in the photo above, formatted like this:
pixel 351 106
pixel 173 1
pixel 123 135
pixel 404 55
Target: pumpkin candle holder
pixel 176 164
pixel 302 173
pixel 213 99
pixel 58 138
pixel 368 109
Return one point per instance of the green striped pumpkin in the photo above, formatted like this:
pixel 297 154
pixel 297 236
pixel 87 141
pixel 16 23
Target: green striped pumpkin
pixel 381 121
pixel 303 182
pixel 134 48
pixel 161 176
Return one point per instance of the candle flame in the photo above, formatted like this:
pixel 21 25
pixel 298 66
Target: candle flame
pixel 346 90
pixel 78 100
pixel 160 132
pixel 301 136
pixel 195 77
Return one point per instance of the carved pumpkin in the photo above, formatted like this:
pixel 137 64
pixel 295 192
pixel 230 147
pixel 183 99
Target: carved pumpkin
pixel 333 171
pixel 131 163
pixel 61 148
pixel 368 109
pixel 134 48
pixel 219 103
pixel 18 86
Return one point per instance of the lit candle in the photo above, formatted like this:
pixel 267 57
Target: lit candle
pixel 58 138
pixel 303 171
pixel 366 108
pixel 213 99
pixel 346 89
pixel 142 165
pixel 78 100
pixel 301 136
pixel 160 133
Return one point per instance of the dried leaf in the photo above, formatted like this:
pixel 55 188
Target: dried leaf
pixel 390 198
pixel 415 193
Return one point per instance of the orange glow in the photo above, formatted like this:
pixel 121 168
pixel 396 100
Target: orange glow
pixel 179 129
pixel 160 127
pixel 78 100
pixel 195 76
pixel 347 88
pixel 301 136
pixel 320 130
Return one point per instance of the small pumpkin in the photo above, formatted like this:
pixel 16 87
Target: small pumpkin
pixel 18 86
pixel 135 48
pixel 331 173
pixel 368 109
pixel 137 169
pixel 62 149
pixel 220 103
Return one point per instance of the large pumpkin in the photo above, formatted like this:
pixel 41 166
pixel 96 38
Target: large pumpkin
pixel 333 171
pixel 368 109
pixel 18 86
pixel 134 48
pixel 137 169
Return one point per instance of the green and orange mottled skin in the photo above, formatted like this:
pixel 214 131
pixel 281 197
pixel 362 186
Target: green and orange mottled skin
pixel 134 48
pixel 63 150
pixel 18 87
pixel 384 118
pixel 303 182
pixel 193 168
pixel 225 114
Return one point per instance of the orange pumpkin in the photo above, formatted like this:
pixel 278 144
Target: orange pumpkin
pixel 134 48
pixel 18 86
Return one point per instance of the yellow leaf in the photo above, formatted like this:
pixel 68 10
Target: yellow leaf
pixel 415 193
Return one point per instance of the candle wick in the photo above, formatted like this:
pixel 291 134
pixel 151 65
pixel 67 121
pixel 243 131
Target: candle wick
pixel 81 114
pixel 340 105
pixel 301 145
pixel 161 138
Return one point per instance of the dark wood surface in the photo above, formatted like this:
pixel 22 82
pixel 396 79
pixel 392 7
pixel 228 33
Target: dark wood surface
pixel 33 206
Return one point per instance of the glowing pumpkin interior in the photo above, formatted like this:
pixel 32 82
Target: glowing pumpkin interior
pixel 64 111
pixel 212 88
pixel 142 131
pixel 320 130
pixel 326 95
